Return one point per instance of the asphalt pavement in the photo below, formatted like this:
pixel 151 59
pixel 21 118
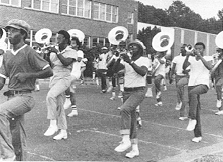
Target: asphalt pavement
pixel 94 133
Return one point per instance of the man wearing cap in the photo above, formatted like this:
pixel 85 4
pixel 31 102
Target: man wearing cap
pixel 22 65
pixel 62 60
pixel 102 68
pixel 217 75
pixel 136 68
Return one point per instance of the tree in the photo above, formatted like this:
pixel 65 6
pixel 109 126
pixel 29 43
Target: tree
pixel 146 36
pixel 220 15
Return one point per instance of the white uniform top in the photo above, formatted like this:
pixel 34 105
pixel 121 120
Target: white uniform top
pixel 76 69
pixel 179 60
pixel 161 70
pixel 102 64
pixel 199 74
pixel 131 77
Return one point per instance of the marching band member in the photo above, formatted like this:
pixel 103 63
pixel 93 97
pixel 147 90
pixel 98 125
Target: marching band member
pixel 159 73
pixel 181 78
pixel 198 84
pixel 22 65
pixel 217 75
pixel 62 60
pixel 102 68
pixel 135 72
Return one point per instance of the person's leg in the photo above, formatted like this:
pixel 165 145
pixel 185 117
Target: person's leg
pixel 58 87
pixel 74 111
pixel 128 125
pixel 14 108
pixel 193 95
pixel 67 102
pixel 218 88
pixel 157 82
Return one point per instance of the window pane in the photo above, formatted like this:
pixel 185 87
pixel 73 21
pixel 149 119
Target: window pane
pixel 72 10
pixel 114 14
pixel 5 1
pixel 87 8
pixel 15 2
pixel 73 2
pixel 102 12
pixel 96 10
pixel 54 7
pixel 28 3
pixel 45 5
pixel 80 12
pixel 95 41
pixel 64 9
pixel 36 4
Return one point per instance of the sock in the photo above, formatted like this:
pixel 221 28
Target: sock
pixel 53 123
pixel 135 147
pixel 113 94
pixel 137 109
pixel 67 96
pixel 63 131
pixel 74 107
pixel 37 86
pixel 125 137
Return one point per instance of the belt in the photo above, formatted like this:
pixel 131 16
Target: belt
pixel 13 92
pixel 130 89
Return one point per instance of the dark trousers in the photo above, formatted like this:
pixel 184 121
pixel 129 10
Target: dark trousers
pixel 102 74
pixel 194 93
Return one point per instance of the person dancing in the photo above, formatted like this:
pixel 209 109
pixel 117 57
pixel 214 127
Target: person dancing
pixel 22 65
pixel 198 84
pixel 181 78
pixel 217 75
pixel 136 69
pixel 62 60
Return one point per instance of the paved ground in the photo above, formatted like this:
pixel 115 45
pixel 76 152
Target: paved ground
pixel 94 134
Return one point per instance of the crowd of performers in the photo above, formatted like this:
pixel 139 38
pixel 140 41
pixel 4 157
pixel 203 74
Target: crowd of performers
pixel 125 67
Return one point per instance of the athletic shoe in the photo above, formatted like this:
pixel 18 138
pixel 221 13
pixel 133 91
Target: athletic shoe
pixel 51 130
pixel 73 113
pixel 123 146
pixel 196 139
pixel 132 154
pixel 164 88
pixel 159 104
pixel 112 98
pixel 220 112
pixel 60 136
pixel 178 106
pixel 119 108
pixel 191 124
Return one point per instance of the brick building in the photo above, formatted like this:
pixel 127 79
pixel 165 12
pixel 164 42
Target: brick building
pixel 94 17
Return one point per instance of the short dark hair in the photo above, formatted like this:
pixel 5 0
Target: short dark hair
pixel 200 43
pixel 66 35
pixel 23 32
pixel 77 41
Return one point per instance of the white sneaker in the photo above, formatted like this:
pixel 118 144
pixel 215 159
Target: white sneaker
pixel 73 113
pixel 119 108
pixel 196 139
pixel 51 130
pixel 220 112
pixel 132 154
pixel 123 146
pixel 191 124
pixel 158 94
pixel 183 118
pixel 159 104
pixel 9 159
pixel 218 103
pixel 60 136
pixel 67 104
pixel 112 98
pixel 178 106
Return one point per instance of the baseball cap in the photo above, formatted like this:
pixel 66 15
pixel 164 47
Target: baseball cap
pixel 18 24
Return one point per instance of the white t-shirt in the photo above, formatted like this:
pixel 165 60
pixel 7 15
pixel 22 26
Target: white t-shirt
pixel 132 78
pixel 161 70
pixel 179 60
pixel 76 68
pixel 199 74
pixel 102 64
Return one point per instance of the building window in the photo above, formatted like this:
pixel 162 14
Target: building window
pixel 130 18
pixel 44 5
pixel 11 2
pixel 81 8
pixel 105 12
